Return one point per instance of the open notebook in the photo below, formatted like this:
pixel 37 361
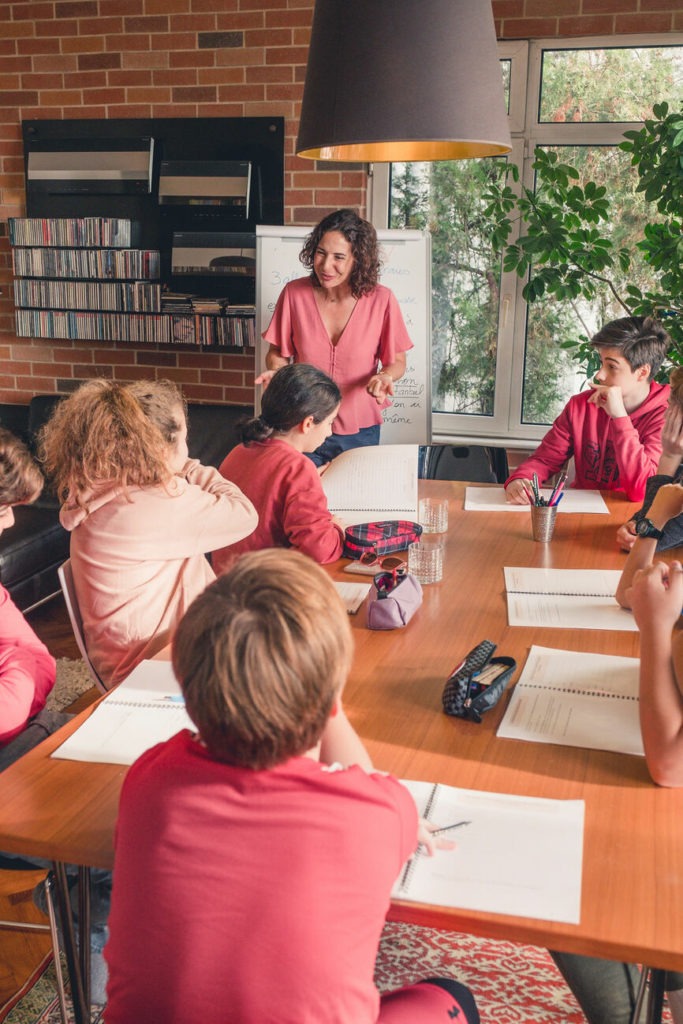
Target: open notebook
pixel 565 598
pixel 516 854
pixel 577 700
pixel 145 709
pixel 379 482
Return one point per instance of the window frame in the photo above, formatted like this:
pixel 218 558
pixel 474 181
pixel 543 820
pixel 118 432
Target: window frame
pixel 527 132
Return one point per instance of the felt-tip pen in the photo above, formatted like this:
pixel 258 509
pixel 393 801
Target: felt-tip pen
pixel 449 828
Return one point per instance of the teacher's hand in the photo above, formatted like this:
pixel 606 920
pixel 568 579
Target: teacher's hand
pixel 380 386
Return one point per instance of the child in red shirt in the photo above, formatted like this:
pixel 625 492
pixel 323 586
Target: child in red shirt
pixel 255 860
pixel 272 468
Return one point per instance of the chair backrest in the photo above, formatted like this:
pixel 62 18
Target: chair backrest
pixel 478 463
pixel 66 580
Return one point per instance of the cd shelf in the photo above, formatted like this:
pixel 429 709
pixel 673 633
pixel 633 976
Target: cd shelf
pixel 79 279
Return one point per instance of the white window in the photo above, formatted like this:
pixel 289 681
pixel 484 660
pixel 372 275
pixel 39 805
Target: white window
pixel 498 367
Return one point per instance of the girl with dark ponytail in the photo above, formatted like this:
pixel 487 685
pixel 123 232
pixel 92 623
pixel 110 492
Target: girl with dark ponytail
pixel 271 467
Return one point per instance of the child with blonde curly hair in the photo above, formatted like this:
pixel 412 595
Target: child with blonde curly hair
pixel 142 515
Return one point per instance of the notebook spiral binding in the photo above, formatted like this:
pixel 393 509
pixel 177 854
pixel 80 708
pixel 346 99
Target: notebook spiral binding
pixel 410 866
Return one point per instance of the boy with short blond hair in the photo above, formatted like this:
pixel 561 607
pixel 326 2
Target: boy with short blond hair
pixel 255 860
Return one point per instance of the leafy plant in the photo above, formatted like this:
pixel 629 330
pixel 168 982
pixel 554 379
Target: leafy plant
pixel 566 250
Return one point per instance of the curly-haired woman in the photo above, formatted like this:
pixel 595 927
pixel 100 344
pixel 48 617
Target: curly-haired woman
pixel 345 323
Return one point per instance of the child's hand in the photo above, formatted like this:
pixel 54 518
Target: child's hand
pixel 608 398
pixel 672 432
pixel 518 492
pixel 265 378
pixel 656 596
pixel 428 841
pixel 626 535
pixel 666 505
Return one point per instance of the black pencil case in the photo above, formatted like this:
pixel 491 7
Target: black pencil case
pixel 464 696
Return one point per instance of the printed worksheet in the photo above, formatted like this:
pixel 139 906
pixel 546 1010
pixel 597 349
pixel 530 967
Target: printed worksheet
pixel 565 599
pixel 510 853
pixel 577 700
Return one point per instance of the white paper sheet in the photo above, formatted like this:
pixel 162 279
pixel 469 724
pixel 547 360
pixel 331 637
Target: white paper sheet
pixel 492 499
pixel 518 855
pixel 353 595
pixel 145 709
pixel 577 700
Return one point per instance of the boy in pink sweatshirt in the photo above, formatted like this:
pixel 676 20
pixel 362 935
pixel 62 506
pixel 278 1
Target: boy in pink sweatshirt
pixel 613 431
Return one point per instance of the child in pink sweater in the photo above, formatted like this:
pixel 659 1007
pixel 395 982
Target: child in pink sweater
pixel 142 515
pixel 27 669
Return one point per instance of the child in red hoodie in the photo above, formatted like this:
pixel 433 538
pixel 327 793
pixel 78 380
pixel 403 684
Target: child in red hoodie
pixel 614 430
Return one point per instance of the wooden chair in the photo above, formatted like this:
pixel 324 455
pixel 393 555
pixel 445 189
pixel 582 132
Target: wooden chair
pixel 16 864
pixel 66 580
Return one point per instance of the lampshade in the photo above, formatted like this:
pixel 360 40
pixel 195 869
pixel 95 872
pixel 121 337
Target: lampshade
pixel 403 80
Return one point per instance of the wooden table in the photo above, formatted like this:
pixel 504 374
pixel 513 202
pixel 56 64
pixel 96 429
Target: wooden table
pixel 632 898
pixel 632 894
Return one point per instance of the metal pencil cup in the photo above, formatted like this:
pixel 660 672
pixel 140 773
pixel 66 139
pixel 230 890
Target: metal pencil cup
pixel 543 522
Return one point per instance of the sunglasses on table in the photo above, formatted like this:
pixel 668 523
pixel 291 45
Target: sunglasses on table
pixel 390 563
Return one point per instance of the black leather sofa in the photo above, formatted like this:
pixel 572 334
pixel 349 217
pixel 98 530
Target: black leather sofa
pixel 34 548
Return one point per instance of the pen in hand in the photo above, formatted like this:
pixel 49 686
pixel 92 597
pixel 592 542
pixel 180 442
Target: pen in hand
pixel 448 828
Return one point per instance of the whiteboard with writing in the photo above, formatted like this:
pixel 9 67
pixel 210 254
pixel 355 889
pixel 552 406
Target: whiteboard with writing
pixel 406 269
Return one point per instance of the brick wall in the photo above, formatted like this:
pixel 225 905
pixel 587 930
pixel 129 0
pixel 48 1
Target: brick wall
pixel 196 58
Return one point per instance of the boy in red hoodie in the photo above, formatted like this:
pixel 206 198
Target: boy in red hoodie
pixel 614 430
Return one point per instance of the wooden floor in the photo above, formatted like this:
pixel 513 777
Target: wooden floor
pixel 22 952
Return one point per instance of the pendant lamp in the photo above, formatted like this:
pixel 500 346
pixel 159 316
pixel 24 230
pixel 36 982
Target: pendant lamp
pixel 403 80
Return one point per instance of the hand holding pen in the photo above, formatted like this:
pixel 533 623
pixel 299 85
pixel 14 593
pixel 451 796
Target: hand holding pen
pixel 427 833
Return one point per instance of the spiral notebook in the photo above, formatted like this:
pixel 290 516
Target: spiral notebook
pixel 565 598
pixel 379 482
pixel 577 700
pixel 507 858
pixel 145 709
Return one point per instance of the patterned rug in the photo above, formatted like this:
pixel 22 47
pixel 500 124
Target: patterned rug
pixel 37 1001
pixel 512 984
pixel 73 679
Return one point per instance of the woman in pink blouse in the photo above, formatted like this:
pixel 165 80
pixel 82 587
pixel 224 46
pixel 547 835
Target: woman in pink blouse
pixel 345 323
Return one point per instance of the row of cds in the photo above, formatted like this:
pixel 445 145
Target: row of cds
pixel 132 297
pixel 70 231
pixel 214 331
pixel 99 263
pixel 235 332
